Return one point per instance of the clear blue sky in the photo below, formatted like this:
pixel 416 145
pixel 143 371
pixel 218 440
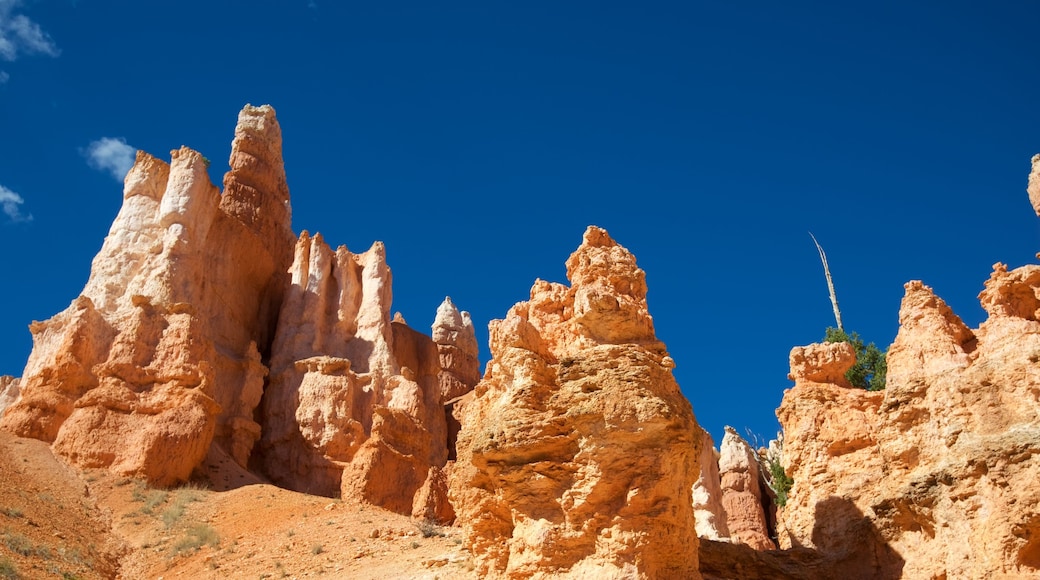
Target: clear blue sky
pixel 479 139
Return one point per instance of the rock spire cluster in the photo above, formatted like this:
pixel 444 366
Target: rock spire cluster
pixel 209 333
pixel 207 329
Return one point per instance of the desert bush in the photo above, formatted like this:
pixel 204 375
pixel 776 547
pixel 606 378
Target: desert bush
pixel 198 535
pixel 7 570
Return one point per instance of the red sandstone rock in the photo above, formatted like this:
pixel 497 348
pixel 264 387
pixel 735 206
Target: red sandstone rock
pixel 933 477
pixel 355 404
pixel 578 452
pixel 157 359
pixel 742 494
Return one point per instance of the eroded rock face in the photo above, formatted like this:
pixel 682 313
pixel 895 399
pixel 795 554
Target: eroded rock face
pixel 157 359
pixel 355 402
pixel 9 391
pixel 742 493
pixel 578 452
pixel 707 493
pixel 933 477
pixel 456 341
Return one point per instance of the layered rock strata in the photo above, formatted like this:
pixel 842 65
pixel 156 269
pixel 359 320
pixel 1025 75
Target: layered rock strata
pixel 355 404
pixel 578 452
pixel 158 358
pixel 934 477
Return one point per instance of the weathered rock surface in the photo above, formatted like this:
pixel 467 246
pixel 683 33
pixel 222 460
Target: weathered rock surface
pixel 742 492
pixel 935 476
pixel 456 341
pixel 707 493
pixel 158 359
pixel 1033 187
pixel 578 452
pixel 9 391
pixel 355 402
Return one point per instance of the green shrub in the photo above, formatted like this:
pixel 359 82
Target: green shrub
pixel 781 481
pixel 870 369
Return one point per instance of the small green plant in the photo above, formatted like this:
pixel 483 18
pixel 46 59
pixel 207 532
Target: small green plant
pixel 779 480
pixel 317 549
pixel 871 367
pixel 415 545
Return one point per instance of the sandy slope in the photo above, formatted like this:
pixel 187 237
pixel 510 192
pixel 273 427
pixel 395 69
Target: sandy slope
pixel 57 522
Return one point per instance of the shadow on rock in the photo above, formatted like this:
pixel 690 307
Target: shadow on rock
pixel 847 546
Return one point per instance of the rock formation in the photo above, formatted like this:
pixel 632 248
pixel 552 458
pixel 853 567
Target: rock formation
pixel 1033 187
pixel 158 358
pixel 9 391
pixel 578 452
pixel 356 401
pixel 456 341
pixel 707 493
pixel 161 361
pixel 743 496
pixel 933 477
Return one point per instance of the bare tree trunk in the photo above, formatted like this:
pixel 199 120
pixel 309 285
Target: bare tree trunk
pixel 830 282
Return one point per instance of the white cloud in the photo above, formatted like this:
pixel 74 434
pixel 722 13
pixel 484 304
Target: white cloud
pixel 19 35
pixel 10 202
pixel 111 154
pixel 3 77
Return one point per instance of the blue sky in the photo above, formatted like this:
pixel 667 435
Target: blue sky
pixel 479 139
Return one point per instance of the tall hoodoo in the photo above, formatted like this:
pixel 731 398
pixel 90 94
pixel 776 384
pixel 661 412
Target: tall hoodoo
pixel 578 453
pixel 159 358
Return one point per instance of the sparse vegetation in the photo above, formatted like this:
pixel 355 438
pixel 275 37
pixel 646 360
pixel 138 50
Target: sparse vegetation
pixel 154 499
pixel 429 529
pixel 11 512
pixel 317 549
pixel 197 536
pixel 8 571
pixel 17 543
pixel 181 498
pixel 871 366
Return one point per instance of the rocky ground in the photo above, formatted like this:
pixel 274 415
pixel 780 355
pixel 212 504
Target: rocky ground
pixel 60 522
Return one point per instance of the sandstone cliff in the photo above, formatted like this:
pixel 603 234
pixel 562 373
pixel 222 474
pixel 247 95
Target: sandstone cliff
pixel 578 452
pixel 935 476
pixel 158 358
pixel 356 401
pixel 163 358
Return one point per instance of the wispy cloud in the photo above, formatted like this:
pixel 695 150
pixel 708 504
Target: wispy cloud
pixel 21 36
pixel 3 77
pixel 10 203
pixel 111 154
